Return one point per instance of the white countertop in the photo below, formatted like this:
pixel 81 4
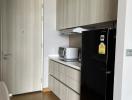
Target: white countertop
pixel 75 65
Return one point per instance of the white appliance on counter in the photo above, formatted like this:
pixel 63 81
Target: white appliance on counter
pixel 68 53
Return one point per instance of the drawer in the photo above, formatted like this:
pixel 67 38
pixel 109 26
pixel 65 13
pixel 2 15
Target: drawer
pixel 63 92
pixel 54 68
pixel 56 87
pixel 63 68
pixel 68 94
pixel 73 74
pixel 62 78
pixel 51 83
pixel 72 95
pixel 51 67
pixel 75 85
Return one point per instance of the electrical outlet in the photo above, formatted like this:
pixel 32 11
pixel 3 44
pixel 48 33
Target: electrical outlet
pixel 129 52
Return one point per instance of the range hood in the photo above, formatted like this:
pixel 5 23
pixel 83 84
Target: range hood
pixel 77 30
pixel 80 29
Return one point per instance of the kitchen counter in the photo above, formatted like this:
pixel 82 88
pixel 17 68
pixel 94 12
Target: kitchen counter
pixel 75 65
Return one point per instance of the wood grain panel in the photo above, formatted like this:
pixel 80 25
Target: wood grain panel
pixel 22 40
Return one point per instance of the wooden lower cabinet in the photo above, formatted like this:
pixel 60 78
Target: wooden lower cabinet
pixel 61 90
pixel 64 81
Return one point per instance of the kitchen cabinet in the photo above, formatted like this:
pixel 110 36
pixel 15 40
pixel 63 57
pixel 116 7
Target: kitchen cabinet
pixel 102 11
pixel 66 13
pixel 73 13
pixel 64 81
pixel 60 14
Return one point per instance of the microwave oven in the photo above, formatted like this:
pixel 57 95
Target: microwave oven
pixel 68 53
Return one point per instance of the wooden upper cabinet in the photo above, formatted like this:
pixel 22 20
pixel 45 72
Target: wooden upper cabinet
pixel 60 14
pixel 103 11
pixel 73 13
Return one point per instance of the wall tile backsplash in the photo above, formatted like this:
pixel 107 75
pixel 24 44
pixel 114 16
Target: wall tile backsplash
pixel 75 41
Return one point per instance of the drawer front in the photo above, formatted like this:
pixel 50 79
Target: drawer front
pixel 63 92
pixel 62 72
pixel 63 68
pixel 51 83
pixel 54 68
pixel 72 95
pixel 73 74
pixel 70 77
pixel 75 85
pixel 51 67
pixel 54 86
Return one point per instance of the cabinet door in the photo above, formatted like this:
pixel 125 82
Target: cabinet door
pixel 60 14
pixel 97 11
pixel 103 10
pixel 84 12
pixel 67 13
pixel 72 12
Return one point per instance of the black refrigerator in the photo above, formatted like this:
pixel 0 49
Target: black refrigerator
pixel 98 58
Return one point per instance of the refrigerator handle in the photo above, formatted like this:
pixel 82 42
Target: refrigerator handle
pixel 108 72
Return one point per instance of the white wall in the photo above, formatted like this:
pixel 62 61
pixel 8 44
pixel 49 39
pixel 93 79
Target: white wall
pixel 52 39
pixel 123 72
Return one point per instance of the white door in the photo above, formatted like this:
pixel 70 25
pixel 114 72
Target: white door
pixel 22 46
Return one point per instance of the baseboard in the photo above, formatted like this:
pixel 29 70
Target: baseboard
pixel 46 90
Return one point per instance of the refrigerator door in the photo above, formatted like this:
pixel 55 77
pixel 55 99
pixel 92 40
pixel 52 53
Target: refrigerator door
pixel 111 64
pixel 94 65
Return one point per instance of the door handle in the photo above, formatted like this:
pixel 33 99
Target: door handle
pixel 108 72
pixel 5 56
pixel 8 54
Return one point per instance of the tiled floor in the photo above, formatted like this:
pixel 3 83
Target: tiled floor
pixel 36 96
